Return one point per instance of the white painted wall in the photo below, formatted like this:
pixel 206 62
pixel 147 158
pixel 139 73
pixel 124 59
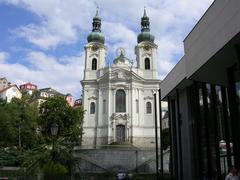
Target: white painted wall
pixel 11 93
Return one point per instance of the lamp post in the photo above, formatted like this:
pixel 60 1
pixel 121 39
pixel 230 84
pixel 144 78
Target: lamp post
pixel 156 135
pixel 54 131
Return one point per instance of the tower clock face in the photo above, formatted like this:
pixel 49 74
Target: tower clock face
pixel 95 48
pixel 147 48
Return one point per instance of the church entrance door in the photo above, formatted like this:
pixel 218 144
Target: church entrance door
pixel 120 133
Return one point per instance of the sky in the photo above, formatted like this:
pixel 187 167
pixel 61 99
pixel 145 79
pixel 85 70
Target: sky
pixel 42 41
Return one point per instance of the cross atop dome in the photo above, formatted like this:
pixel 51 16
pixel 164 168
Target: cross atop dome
pixel 145 21
pixel 144 13
pixel 96 35
pixel 145 34
pixel 96 22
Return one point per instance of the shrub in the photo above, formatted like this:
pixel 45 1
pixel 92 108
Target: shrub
pixel 54 170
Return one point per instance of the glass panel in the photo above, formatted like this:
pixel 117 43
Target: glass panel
pixel 219 113
pixel 212 130
pixel 237 85
pixel 221 131
pixel 236 125
pixel 202 135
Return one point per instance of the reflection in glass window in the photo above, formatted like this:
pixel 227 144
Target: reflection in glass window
pixel 219 113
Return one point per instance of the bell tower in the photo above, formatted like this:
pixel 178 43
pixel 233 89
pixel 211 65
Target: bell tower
pixel 146 50
pixel 95 50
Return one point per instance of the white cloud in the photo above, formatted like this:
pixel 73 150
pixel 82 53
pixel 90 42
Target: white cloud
pixel 47 37
pixel 47 71
pixel 3 56
pixel 118 35
pixel 60 23
pixel 65 22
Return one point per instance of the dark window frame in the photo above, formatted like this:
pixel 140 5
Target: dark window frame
pixel 147 63
pixel 148 107
pixel 120 100
pixel 94 64
pixel 92 108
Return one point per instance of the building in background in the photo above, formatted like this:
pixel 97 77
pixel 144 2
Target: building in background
pixel 9 92
pixel 28 87
pixel 203 94
pixel 3 83
pixel 69 99
pixel 165 122
pixel 45 93
pixel 78 103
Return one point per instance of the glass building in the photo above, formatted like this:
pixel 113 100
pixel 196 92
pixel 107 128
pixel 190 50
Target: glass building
pixel 203 94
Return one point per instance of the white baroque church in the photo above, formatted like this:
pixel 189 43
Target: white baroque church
pixel 119 100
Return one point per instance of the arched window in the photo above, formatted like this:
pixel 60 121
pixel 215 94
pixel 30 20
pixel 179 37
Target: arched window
pixel 149 108
pixel 94 64
pixel 120 101
pixel 147 63
pixel 92 108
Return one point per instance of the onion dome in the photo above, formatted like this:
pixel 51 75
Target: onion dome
pixel 96 35
pixel 145 34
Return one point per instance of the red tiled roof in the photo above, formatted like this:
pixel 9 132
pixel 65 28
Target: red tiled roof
pixel 28 84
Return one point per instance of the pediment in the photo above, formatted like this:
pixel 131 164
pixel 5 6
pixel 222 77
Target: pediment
pixel 120 74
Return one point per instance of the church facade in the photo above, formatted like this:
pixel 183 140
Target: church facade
pixel 119 100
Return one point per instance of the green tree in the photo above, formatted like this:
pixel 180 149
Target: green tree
pixel 7 130
pixel 69 120
pixel 18 123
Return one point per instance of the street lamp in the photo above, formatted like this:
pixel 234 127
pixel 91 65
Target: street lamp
pixel 54 129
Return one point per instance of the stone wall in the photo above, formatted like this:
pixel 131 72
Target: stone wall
pixel 116 160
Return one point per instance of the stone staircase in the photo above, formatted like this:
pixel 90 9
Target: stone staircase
pixel 115 158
